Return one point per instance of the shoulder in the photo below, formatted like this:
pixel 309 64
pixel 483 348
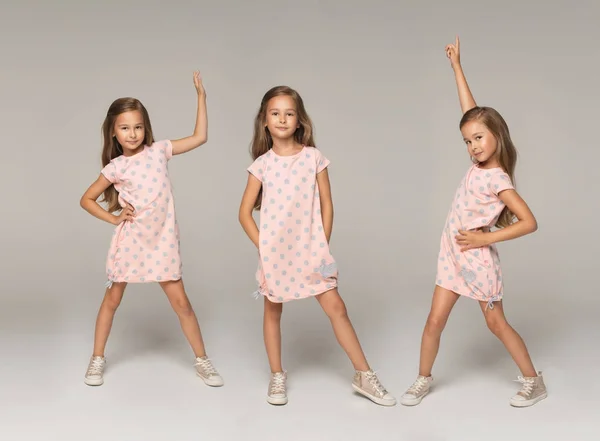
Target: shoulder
pixel 264 157
pixel 161 145
pixel 497 174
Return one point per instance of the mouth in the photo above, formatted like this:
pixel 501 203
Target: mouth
pixel 281 128
pixel 132 142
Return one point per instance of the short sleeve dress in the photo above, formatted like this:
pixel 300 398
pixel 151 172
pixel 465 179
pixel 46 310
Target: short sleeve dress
pixel 145 249
pixel 473 273
pixel 295 260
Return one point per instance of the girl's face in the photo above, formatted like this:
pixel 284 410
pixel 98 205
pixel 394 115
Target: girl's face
pixel 130 131
pixel 282 117
pixel 481 143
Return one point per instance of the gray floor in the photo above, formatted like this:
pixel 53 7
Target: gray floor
pixel 151 392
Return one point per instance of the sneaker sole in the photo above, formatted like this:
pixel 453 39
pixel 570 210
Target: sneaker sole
pixel 412 401
pixel 528 403
pixel 99 382
pixel 211 383
pixel 376 400
pixel 277 401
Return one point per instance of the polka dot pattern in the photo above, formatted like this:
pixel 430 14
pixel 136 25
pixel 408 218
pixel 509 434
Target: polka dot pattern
pixel 295 261
pixel 474 273
pixel 145 249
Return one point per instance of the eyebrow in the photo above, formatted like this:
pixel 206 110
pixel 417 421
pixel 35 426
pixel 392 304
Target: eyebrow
pixel 287 110
pixel 136 124
pixel 475 134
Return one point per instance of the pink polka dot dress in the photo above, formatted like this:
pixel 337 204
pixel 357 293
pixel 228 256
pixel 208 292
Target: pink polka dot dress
pixel 145 249
pixel 295 261
pixel 473 273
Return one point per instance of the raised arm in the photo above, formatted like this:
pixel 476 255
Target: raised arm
pixel 200 135
pixel 465 96
pixel 247 206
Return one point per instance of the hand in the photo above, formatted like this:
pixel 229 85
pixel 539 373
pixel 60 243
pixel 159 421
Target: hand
pixel 198 84
pixel 467 240
pixel 453 52
pixel 127 214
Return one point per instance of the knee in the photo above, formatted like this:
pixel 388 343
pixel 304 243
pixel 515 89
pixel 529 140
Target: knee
pixel 336 309
pixel 183 307
pixel 112 300
pixel 496 325
pixel 435 325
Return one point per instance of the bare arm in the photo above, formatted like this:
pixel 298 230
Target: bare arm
pixel 247 206
pixel 89 204
pixel 465 96
pixel 200 135
pixel 526 223
pixel 326 202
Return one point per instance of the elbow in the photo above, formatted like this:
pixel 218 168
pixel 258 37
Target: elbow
pixel 534 226
pixel 243 217
pixel 83 202
pixel 200 139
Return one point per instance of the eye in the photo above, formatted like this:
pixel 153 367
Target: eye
pixel 290 114
pixel 478 137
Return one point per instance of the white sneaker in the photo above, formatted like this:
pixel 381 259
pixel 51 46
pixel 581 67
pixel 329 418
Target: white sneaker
pixel 367 384
pixel 417 391
pixel 206 371
pixel 532 391
pixel 95 371
pixel 277 394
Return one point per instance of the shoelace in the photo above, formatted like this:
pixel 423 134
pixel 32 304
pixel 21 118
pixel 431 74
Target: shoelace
pixel 206 366
pixel 416 387
pixel 277 384
pixel 374 381
pixel 95 367
pixel 527 385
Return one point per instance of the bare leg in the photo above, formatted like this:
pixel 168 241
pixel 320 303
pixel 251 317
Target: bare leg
pixel 496 322
pixel 272 334
pixel 441 306
pixel 106 314
pixel 175 292
pixel 334 307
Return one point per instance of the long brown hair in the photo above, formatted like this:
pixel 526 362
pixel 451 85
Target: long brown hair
pixel 111 147
pixel 505 151
pixel 262 141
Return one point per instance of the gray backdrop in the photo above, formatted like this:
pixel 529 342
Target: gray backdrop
pixel 376 82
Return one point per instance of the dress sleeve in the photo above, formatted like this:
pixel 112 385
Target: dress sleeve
pixel 165 147
pixel 257 168
pixel 110 172
pixel 321 161
pixel 499 182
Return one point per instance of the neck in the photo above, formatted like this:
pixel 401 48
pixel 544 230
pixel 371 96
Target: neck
pixel 286 144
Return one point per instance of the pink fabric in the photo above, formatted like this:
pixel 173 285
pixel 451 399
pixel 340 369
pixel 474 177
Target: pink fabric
pixel 147 248
pixel 474 273
pixel 295 261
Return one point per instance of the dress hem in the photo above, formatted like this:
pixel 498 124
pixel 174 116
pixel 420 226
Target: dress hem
pixel 273 299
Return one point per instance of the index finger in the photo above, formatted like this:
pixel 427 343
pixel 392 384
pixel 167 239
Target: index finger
pixel 457 43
